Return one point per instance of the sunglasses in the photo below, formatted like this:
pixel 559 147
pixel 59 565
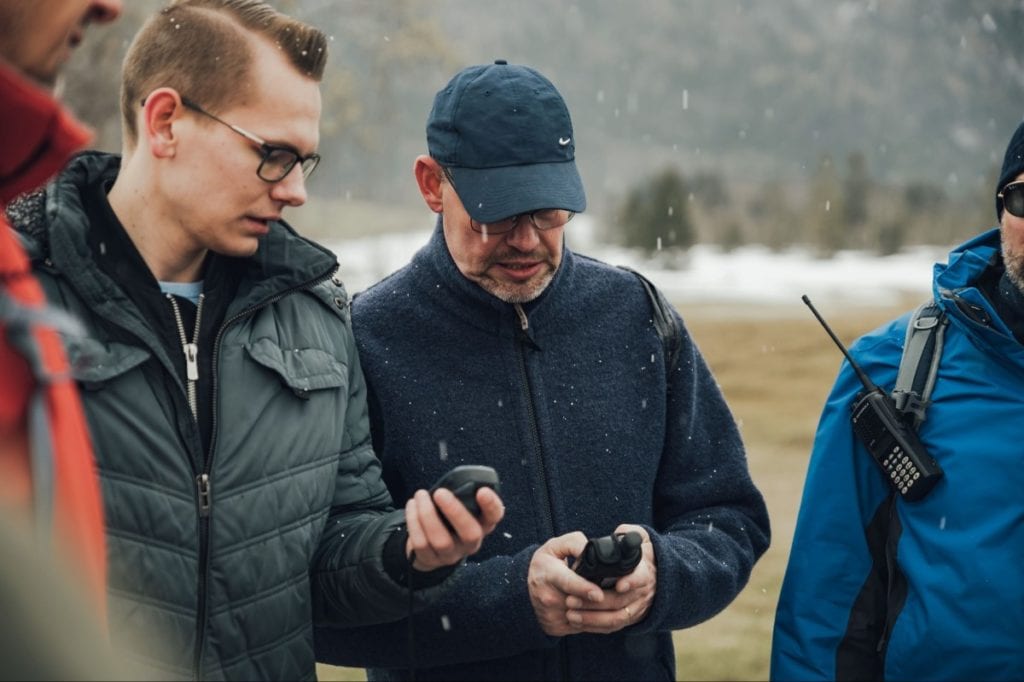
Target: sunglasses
pixel 1012 199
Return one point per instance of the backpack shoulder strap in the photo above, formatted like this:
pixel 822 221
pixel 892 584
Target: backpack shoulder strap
pixel 919 366
pixel 664 321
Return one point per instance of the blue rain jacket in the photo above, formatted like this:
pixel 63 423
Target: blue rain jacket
pixel 930 590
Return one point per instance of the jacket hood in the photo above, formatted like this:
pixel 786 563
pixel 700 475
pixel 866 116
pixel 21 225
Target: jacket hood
pixel 966 263
pixel 36 133
pixel 955 286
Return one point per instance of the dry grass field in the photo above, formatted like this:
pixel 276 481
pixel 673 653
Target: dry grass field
pixel 775 371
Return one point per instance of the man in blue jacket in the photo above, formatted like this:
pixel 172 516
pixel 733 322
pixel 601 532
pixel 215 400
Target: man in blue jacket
pixel 881 588
pixel 498 345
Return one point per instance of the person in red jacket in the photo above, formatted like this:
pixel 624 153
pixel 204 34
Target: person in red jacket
pixel 47 471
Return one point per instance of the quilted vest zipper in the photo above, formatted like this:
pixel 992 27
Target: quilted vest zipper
pixel 204 479
pixel 204 497
pixel 191 351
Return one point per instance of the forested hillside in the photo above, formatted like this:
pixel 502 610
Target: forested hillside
pixel 759 96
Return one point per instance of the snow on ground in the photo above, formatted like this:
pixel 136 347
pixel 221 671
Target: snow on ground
pixel 751 275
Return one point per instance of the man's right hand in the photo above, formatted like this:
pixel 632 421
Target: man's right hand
pixel 550 582
pixel 435 544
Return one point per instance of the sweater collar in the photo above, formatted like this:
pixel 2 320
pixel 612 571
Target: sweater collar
pixel 481 307
pixel 36 133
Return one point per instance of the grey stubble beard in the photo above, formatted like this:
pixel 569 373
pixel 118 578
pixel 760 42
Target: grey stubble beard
pixel 1013 260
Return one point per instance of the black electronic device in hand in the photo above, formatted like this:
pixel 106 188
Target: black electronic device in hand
pixel 464 481
pixel 604 560
pixel 892 443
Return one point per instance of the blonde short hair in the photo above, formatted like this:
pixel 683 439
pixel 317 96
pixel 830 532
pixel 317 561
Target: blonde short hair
pixel 203 49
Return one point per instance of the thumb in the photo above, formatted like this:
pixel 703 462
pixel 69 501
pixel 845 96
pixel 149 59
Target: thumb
pixel 627 527
pixel 568 545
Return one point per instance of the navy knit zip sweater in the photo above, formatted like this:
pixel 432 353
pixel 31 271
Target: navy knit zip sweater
pixel 574 405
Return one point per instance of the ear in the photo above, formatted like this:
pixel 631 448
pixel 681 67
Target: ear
pixel 428 178
pixel 161 110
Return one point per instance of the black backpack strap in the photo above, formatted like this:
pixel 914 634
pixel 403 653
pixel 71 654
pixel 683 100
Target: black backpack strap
pixel 919 366
pixel 664 321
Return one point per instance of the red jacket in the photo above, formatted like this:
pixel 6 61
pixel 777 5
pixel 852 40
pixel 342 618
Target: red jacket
pixel 52 476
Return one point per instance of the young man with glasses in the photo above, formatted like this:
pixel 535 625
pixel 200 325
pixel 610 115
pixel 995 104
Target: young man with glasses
pixel 499 345
pixel 879 587
pixel 222 387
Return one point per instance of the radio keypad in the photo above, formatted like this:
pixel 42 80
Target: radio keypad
pixel 901 469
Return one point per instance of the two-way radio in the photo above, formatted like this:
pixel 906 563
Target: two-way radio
pixel 892 443
pixel 604 560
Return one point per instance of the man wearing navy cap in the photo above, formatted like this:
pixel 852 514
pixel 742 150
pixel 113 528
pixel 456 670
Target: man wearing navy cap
pixel 880 587
pixel 498 345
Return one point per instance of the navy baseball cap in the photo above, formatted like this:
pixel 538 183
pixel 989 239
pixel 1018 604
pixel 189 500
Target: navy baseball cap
pixel 504 134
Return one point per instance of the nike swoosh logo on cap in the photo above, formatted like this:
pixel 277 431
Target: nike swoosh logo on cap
pixel 564 141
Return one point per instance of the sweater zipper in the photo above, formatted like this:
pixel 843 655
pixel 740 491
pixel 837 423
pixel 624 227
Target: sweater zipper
pixel 203 481
pixel 562 659
pixel 548 510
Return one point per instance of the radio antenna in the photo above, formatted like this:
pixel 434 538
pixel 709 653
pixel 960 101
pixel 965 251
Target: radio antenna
pixel 868 384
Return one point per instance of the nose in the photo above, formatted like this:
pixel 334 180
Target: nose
pixel 523 236
pixel 105 11
pixel 291 189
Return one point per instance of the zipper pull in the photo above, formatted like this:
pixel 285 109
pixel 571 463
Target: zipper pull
pixel 205 494
pixel 191 361
pixel 524 322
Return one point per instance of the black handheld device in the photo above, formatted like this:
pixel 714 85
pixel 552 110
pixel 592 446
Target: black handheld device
pixel 604 560
pixel 890 440
pixel 464 481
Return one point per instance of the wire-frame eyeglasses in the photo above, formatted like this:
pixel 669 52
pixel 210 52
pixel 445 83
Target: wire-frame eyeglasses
pixel 276 161
pixel 542 218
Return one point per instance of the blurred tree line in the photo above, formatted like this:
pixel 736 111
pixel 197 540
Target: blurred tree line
pixel 835 209
pixel 833 124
